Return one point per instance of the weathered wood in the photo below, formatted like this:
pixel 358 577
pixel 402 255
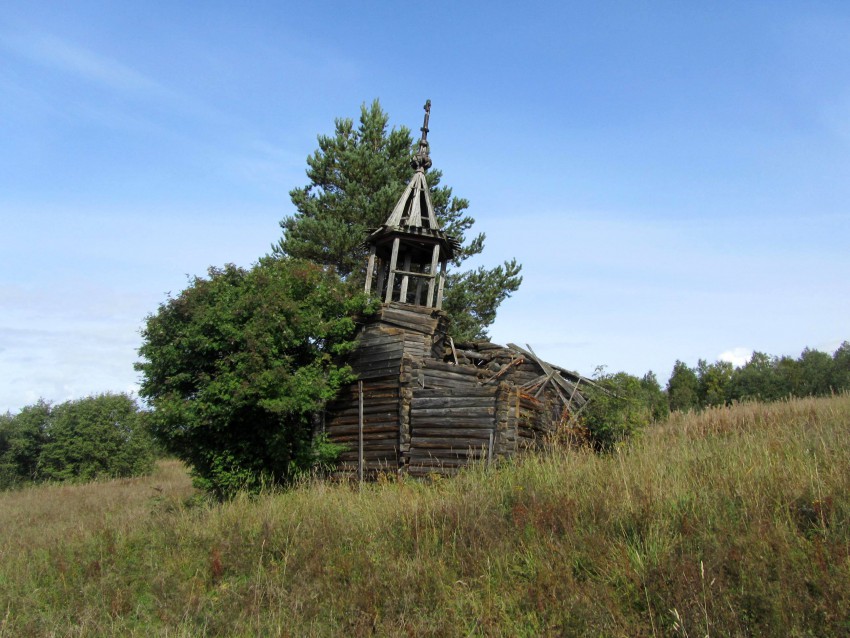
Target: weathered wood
pixel 448 458
pixel 452 421
pixel 349 432
pixel 431 431
pixel 447 412
pixel 369 268
pixel 373 373
pixel 373 442
pixel 452 401
pixel 410 314
pixel 457 444
pixel 440 379
pixel 471 390
pixel 404 279
pixel 435 258
pixel 448 367
pixel 471 354
pixel 372 407
pixel 390 345
pixel 441 284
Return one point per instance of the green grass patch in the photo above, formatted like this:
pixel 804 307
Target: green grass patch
pixel 732 522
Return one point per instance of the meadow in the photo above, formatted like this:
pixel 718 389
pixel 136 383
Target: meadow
pixel 731 522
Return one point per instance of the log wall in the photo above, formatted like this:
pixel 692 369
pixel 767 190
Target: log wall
pixel 452 419
pixel 422 413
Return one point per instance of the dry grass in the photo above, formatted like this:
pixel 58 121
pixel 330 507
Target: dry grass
pixel 729 523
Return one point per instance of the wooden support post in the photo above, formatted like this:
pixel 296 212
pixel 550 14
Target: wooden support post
pixel 418 298
pixel 393 263
pixel 360 431
pixel 382 275
pixel 439 303
pixel 402 296
pixel 490 449
pixel 435 260
pixel 369 268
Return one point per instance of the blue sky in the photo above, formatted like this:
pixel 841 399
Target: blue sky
pixel 674 176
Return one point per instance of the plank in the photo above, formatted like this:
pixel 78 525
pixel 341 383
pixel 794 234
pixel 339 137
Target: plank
pixel 471 433
pixel 448 367
pixel 472 390
pixel 452 401
pixel 459 444
pixel 434 422
pixel 374 373
pixel 477 412
pixel 347 437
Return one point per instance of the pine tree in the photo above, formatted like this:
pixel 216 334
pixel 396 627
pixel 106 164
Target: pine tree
pixel 356 176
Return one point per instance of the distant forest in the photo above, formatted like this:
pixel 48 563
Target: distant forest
pixel 762 378
pixel 108 435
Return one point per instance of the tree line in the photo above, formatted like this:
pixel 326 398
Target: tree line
pixel 96 437
pixel 622 404
pixel 762 378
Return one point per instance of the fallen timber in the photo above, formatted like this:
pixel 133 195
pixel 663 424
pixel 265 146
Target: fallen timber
pixel 414 410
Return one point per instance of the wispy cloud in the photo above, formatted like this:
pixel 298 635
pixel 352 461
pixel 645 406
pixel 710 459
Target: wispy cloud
pixel 52 52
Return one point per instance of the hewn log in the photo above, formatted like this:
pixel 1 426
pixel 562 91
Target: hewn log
pixel 448 367
pixel 450 415
pixel 452 401
pixel 455 444
pixel 479 433
pixel 464 390
pixel 449 422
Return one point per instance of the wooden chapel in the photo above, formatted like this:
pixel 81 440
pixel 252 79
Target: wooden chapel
pixel 421 403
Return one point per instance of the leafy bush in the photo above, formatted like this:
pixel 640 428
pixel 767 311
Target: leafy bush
pixel 620 405
pixel 237 365
pixel 95 437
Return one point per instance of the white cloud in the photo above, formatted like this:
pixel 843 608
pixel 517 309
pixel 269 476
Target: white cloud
pixel 52 52
pixel 736 356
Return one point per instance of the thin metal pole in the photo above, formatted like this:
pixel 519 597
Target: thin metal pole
pixel 360 431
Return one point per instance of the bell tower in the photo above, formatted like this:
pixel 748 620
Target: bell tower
pixel 408 253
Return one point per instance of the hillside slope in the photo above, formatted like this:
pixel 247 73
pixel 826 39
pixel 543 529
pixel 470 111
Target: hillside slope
pixel 733 522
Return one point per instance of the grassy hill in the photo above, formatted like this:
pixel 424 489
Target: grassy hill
pixel 734 522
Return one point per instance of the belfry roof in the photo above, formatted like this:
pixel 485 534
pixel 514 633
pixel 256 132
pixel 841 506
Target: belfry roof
pixel 413 215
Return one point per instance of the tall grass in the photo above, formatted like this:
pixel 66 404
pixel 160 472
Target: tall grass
pixel 732 522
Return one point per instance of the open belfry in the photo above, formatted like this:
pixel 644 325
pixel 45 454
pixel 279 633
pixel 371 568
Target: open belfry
pixel 423 404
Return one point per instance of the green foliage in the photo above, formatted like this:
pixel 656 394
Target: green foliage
pixel 840 377
pixel 620 405
pixel 473 297
pixel 815 374
pixel 654 397
pixel 238 363
pixel 715 382
pixel 730 522
pixel 757 379
pixel 356 176
pixel 21 439
pixel 683 388
pixel 96 437
pixel 103 436
pixel 762 378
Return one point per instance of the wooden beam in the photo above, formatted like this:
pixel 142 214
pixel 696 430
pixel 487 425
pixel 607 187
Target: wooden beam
pixel 439 303
pixel 393 263
pixel 382 274
pixel 435 260
pixel 402 295
pixel 369 268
